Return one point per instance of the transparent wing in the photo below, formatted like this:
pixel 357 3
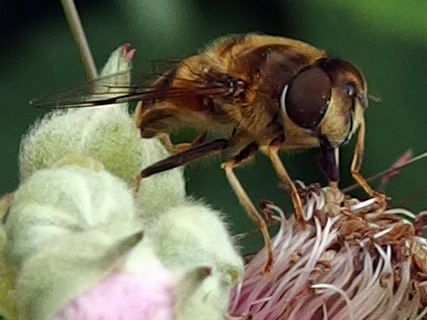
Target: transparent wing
pixel 116 89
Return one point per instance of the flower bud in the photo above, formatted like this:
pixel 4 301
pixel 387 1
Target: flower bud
pixel 53 203
pixel 74 227
pixel 193 239
pixel 141 288
pixel 8 307
pixel 67 228
pixel 161 191
pixel 105 133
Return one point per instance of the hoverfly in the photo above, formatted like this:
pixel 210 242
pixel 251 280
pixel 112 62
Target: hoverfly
pixel 264 93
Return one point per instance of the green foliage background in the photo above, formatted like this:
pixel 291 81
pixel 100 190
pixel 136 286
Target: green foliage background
pixel 386 39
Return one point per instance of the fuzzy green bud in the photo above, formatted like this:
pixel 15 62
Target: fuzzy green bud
pixel 193 238
pixel 66 229
pixel 105 133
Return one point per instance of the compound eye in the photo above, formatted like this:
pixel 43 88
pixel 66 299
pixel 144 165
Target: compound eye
pixel 306 99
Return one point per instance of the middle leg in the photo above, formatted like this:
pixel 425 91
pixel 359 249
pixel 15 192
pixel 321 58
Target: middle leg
pixel 273 153
pixel 243 156
pixel 183 146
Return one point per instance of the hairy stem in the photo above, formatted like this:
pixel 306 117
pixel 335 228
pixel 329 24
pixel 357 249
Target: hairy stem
pixel 80 38
pixel 382 173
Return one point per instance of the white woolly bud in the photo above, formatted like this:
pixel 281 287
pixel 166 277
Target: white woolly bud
pixel 107 134
pixel 66 229
pixel 8 307
pixel 54 203
pixel 72 222
pixel 194 239
pixel 68 267
pixel 160 191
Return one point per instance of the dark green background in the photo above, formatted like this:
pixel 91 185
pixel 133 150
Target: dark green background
pixel 386 39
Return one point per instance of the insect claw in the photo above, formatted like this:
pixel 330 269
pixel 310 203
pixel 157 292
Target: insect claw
pixel 380 198
pixel 299 216
pixel 268 265
pixel 136 182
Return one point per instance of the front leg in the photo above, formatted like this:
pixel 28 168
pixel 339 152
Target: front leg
pixel 273 153
pixel 243 156
pixel 356 164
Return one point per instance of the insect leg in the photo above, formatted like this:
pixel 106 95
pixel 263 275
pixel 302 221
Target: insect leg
pixel 181 158
pixel 185 157
pixel 356 164
pixel 244 155
pixel 273 153
pixel 180 147
pixel 152 121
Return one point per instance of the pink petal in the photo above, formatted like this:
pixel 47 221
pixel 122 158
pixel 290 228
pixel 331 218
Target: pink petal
pixel 123 296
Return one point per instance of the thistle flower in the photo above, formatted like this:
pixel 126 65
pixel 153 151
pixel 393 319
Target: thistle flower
pixel 355 260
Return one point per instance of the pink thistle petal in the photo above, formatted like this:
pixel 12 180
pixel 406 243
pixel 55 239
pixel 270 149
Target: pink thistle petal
pixel 354 261
pixel 124 296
